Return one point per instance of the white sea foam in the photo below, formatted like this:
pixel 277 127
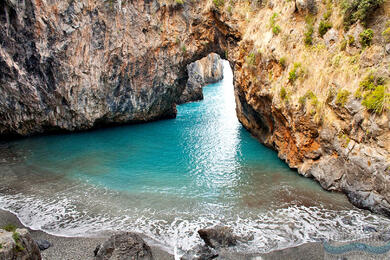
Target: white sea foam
pixel 274 229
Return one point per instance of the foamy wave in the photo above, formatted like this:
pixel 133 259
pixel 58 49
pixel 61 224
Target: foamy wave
pixel 275 229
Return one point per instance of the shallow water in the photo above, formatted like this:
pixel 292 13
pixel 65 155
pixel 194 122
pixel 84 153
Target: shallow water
pixel 169 178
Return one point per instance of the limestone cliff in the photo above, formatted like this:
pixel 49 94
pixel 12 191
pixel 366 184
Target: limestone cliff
pixel 310 76
pixel 200 73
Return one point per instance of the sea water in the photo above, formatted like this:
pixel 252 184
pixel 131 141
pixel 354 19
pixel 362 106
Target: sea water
pixel 167 179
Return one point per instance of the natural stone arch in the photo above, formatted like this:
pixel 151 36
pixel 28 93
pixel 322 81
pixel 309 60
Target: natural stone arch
pixel 75 65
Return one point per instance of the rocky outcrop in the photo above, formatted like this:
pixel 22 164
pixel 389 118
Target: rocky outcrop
pixel 218 237
pixel 124 246
pixel 18 245
pixel 74 65
pixel 200 73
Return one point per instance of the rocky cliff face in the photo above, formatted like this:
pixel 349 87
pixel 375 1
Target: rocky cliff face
pixel 308 84
pixel 73 65
pixel 306 96
pixel 200 73
pixel 18 245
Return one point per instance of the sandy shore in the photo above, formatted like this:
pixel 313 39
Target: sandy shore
pixel 75 248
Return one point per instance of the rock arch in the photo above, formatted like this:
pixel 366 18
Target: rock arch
pixel 75 65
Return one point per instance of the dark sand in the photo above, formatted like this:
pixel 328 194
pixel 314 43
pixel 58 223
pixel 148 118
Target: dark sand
pixel 81 248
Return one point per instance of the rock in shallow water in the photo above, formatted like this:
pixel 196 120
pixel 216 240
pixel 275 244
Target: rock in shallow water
pixel 124 246
pixel 18 245
pixel 201 253
pixel 218 237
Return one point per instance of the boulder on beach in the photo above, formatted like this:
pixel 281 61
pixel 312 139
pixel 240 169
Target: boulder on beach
pixel 218 237
pixel 43 244
pixel 18 244
pixel 125 245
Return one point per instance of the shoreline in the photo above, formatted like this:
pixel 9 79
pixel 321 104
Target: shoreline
pixel 69 248
pixel 82 247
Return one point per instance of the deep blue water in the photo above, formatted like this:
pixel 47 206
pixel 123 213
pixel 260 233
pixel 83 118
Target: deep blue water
pixel 169 178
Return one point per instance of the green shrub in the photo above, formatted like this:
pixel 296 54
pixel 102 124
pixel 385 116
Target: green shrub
pixel 309 96
pixel 359 10
pixel 9 227
pixel 343 45
pixel 272 22
pixel 308 39
pixel 366 37
pixel 351 40
pixel 251 59
pixel 377 100
pixel 283 93
pixel 324 27
pixel 180 2
pixel 368 83
pixel 330 95
pixel 16 238
pixel 358 94
pixel 342 97
pixel 219 3
pixel 386 35
pixel 276 29
pixel 283 62
pixel 295 72
pixel 374 94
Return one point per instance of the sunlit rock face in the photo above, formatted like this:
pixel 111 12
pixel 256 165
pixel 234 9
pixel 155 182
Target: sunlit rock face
pixel 200 73
pixel 73 65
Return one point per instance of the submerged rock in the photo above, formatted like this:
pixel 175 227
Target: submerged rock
pixel 18 245
pixel 218 237
pixel 124 246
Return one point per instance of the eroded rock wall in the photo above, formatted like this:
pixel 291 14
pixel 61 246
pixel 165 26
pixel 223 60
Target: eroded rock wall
pixel 73 65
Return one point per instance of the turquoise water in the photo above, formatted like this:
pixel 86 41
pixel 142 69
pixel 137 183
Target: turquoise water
pixel 169 178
